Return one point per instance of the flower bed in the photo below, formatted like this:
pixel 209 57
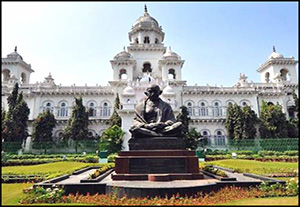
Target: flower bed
pixel 263 156
pixel 225 194
pixel 101 170
pixel 35 161
pixel 215 171
pixel 21 178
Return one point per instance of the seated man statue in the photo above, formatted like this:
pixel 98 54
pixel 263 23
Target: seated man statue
pixel 154 117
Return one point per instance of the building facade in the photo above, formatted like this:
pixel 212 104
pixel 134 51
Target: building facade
pixel 145 61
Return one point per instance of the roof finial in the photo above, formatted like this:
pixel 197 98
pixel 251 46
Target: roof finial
pixel 146 8
pixel 274 50
pixel 15 48
pixel 124 48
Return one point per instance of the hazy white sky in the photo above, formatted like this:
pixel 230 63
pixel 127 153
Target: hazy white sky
pixel 76 40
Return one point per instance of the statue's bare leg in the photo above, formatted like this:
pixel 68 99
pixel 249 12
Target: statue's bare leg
pixel 140 132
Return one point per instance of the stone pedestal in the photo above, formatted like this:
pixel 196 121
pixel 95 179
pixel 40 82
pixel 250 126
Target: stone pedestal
pixel 156 143
pixel 157 159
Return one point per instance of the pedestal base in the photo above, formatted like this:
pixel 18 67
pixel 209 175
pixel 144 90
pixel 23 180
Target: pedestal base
pixel 157 165
pixel 156 143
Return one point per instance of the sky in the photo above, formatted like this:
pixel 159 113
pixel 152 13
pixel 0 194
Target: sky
pixel 75 41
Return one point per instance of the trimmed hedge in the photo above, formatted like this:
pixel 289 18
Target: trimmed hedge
pixel 35 161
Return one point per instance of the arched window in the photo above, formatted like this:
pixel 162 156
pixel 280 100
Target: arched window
pixel 284 74
pixel 190 108
pixel 203 109
pixel 267 77
pixel 123 74
pixel 48 106
pixel 244 103
pixel 137 40
pixel 63 110
pixel 23 78
pixel 147 68
pixel 172 74
pixel 204 133
pixel 92 111
pixel 146 40
pixel 156 41
pixel 5 75
pixel 220 138
pixel 105 112
pixel 217 109
pixel 270 103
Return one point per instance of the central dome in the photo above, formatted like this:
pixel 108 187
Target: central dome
pixel 146 21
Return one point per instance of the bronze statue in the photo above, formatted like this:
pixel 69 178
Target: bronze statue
pixel 154 117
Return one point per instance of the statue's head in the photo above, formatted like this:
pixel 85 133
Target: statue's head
pixel 153 92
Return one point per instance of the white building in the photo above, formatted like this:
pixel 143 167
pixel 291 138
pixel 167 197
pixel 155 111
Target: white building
pixel 147 60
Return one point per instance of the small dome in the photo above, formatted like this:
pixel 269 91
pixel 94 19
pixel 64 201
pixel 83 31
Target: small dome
pixel 123 55
pixel 275 55
pixel 14 54
pixel 128 90
pixel 168 90
pixel 171 55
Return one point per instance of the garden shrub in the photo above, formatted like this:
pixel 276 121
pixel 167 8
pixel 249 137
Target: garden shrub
pixel 101 170
pixel 112 157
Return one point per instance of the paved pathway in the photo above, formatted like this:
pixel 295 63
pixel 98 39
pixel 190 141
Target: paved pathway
pixel 76 178
pixel 73 179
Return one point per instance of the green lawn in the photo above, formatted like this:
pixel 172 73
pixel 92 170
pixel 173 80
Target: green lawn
pixel 11 193
pixel 284 201
pixel 256 167
pixel 50 170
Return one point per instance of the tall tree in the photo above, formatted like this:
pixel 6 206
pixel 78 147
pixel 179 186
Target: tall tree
pixel 77 126
pixel 21 113
pixel 184 118
pixel 230 120
pixel 273 121
pixel 238 122
pixel 15 123
pixel 111 139
pixel 191 136
pixel 3 115
pixel 115 119
pixel 296 99
pixel 249 121
pixel 42 128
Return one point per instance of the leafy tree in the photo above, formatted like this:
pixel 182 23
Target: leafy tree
pixel 249 121
pixel 184 118
pixel 43 127
pixel 230 120
pixel 296 99
pixel 191 139
pixel 12 98
pixel 273 121
pixel 293 128
pixel 190 136
pixel 15 127
pixel 21 113
pixel 77 126
pixel 3 113
pixel 115 119
pixel 112 139
pixel 238 122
